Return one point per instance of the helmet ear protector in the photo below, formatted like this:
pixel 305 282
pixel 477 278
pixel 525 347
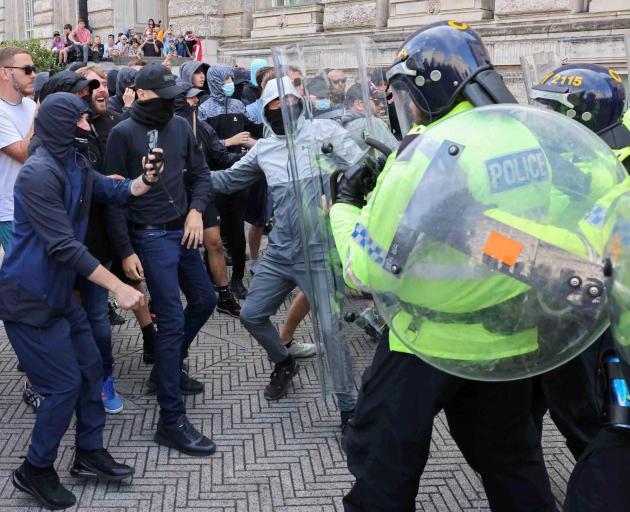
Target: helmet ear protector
pixel 487 88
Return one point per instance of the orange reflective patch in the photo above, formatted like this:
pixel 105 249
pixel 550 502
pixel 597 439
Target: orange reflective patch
pixel 502 248
pixel 458 26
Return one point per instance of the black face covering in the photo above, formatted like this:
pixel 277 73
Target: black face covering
pixel 154 113
pixel 81 140
pixel 275 117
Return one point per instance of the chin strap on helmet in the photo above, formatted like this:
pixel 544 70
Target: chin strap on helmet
pixel 488 88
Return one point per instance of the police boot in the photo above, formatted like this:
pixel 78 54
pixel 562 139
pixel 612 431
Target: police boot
pixel 99 464
pixel 43 484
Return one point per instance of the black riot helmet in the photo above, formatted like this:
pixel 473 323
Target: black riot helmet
pixel 440 65
pixel 592 95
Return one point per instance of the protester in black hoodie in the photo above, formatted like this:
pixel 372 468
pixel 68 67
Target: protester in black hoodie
pixel 217 157
pixel 161 240
pixel 120 104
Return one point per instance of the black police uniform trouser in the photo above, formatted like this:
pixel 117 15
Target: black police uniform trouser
pixel 599 482
pixel 574 396
pixel 232 209
pixel 387 441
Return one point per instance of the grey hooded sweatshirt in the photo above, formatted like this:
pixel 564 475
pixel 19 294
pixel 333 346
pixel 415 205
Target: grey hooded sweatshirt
pixel 270 156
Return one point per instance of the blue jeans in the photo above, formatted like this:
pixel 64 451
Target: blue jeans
pixel 5 233
pixel 169 267
pixel 94 302
pixel 63 364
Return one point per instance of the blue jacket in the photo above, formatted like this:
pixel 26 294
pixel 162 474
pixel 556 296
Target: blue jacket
pixel 53 193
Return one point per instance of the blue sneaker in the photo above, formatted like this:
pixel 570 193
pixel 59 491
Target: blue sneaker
pixel 112 403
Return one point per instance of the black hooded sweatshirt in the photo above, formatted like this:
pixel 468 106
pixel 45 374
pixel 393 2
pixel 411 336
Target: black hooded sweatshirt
pixel 216 154
pixel 126 78
pixel 167 201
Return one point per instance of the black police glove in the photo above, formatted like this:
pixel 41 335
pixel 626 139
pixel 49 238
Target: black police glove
pixel 352 186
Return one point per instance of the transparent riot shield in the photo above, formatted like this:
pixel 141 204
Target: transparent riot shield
pixel 618 270
pixel 484 245
pixel 537 67
pixel 319 147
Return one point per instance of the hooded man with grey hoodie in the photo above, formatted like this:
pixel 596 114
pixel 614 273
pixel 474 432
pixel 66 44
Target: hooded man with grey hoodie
pixel 283 265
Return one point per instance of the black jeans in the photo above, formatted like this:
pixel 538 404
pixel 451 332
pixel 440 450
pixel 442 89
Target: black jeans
pixel 232 209
pixel 388 439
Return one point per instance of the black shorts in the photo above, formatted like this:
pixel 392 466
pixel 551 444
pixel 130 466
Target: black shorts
pixel 256 213
pixel 211 217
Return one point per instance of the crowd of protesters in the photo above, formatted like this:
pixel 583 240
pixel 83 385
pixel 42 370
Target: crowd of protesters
pixel 209 118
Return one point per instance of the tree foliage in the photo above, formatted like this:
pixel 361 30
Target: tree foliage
pixel 43 58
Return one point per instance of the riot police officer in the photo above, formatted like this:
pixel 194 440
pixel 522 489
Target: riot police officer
pixel 441 71
pixel 595 97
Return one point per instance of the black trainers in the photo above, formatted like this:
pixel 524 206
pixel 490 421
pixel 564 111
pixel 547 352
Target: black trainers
pixel 228 305
pixel 99 464
pixel 346 416
pixel 280 379
pixel 114 317
pixel 31 397
pixel 187 384
pixel 44 486
pixel 190 386
pixel 238 288
pixel 182 436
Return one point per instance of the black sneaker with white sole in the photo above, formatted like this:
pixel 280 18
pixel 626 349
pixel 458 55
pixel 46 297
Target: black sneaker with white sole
pixel 187 384
pixel 281 378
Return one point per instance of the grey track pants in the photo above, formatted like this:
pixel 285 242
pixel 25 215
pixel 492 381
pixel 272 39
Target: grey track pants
pixel 271 285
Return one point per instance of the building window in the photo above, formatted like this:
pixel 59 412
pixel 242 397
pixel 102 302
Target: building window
pixel 28 18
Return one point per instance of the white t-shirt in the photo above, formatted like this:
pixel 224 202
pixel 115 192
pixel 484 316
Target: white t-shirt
pixel 15 122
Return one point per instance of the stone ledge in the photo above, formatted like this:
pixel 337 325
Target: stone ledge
pixel 306 19
pixel 346 14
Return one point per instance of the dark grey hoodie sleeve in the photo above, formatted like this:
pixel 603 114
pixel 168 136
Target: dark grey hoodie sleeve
pixel 42 193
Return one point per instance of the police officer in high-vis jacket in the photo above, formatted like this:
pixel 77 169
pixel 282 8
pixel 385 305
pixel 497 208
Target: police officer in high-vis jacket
pixel 441 71
pixel 576 393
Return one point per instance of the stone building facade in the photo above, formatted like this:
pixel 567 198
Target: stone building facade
pixel 240 30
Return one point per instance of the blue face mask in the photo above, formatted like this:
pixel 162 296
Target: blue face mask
pixel 228 90
pixel 322 104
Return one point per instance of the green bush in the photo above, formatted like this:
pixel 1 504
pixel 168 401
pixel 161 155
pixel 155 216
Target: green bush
pixel 43 58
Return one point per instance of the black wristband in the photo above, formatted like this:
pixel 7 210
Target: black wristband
pixel 147 182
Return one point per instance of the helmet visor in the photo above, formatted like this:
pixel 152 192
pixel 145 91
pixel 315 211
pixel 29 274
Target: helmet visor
pixel 557 101
pixel 411 106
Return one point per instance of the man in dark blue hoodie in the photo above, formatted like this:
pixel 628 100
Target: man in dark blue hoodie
pixel 47 328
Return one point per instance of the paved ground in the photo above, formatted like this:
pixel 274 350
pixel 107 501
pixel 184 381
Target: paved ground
pixel 280 457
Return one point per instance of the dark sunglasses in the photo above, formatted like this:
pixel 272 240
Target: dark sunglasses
pixel 28 70
pixel 340 81
pixel 297 82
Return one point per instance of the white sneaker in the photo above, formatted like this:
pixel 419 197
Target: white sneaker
pixel 300 350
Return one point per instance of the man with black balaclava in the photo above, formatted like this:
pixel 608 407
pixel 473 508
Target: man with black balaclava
pixel 159 241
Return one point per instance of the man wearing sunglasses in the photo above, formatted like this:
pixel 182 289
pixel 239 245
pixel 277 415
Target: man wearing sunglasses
pixel 338 82
pixel 17 110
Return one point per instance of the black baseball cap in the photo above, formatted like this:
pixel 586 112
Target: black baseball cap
pixel 155 77
pixel 56 33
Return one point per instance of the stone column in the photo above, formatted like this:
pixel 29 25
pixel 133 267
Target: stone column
pixel 43 19
pixel 406 13
pixel 102 17
pixel 203 17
